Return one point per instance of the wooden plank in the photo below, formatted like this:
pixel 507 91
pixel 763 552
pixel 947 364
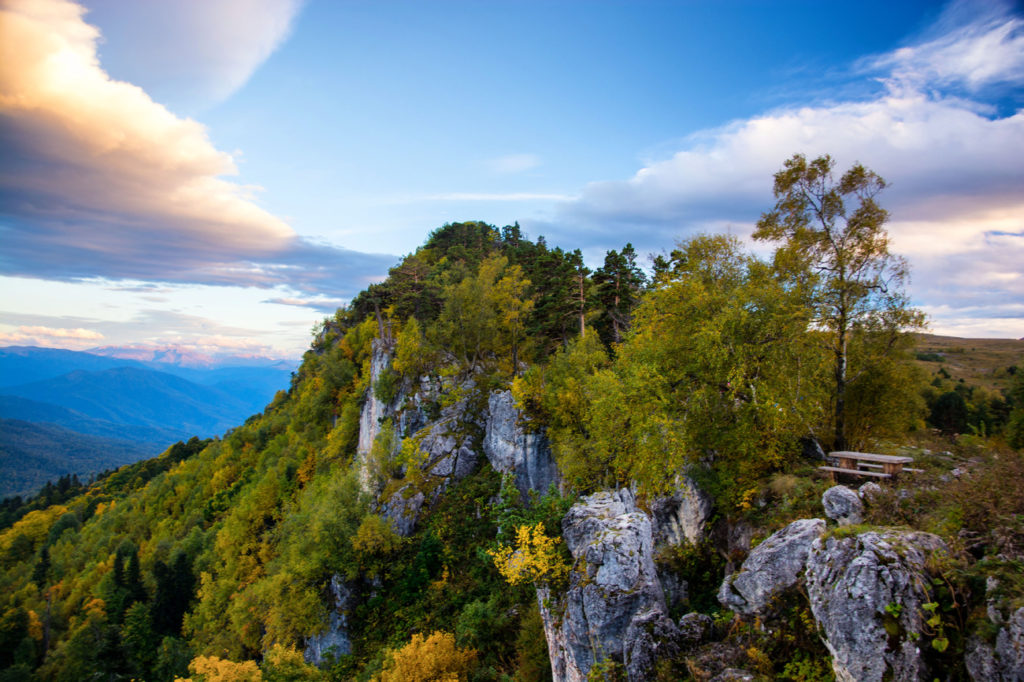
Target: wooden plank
pixel 854 472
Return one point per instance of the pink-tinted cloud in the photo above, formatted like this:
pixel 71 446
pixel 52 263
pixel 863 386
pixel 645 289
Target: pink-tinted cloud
pixel 98 180
pixel 51 337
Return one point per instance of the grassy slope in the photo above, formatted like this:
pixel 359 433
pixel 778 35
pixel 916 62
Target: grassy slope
pixel 980 362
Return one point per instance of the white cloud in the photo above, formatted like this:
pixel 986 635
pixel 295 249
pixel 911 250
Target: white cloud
pixel 83 145
pixel 977 45
pixel 97 179
pixel 494 196
pixel 955 169
pixel 513 163
pixel 192 51
pixel 51 337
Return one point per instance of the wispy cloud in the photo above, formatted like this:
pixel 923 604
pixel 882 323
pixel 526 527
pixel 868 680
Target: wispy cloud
pixel 319 303
pixel 493 196
pixel 513 163
pixel 974 44
pixel 954 165
pixel 227 40
pixel 98 180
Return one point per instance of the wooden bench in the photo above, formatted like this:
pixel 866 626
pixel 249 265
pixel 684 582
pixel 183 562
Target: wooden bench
pixel 832 471
pixel 866 464
pixel 891 464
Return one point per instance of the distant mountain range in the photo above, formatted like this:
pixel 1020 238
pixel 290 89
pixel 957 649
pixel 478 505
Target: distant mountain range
pixel 65 411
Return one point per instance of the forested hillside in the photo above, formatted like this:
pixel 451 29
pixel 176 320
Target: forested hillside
pixel 366 526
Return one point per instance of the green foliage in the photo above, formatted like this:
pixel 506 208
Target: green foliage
pixel 374 544
pixel 1015 425
pixel 618 285
pixel 833 234
pixel 949 413
pixel 533 664
pixel 719 365
pixel 559 396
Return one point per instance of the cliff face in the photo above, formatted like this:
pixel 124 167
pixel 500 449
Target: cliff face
pixel 511 449
pixel 613 583
pixel 449 446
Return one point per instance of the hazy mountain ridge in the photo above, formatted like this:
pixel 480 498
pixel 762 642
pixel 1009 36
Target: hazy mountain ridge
pixel 135 408
pixel 32 454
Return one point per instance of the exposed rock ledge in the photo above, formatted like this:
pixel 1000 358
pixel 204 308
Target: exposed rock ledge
pixel 510 448
pixel 856 584
pixel 614 606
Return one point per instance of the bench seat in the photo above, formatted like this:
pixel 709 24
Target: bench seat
pixel 854 472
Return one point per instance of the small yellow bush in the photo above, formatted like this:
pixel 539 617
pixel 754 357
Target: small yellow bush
pixel 214 669
pixel 535 558
pixel 431 659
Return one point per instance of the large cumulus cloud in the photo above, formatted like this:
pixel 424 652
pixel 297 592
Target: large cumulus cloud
pixel 98 180
pixel 934 129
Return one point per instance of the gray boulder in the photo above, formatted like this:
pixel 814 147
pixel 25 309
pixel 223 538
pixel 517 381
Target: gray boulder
pixel 612 585
pixel 695 628
pixel 333 639
pixel 1002 661
pixel 773 567
pixel 851 582
pixel 511 449
pixel 843 506
pixel 869 492
pixel 650 637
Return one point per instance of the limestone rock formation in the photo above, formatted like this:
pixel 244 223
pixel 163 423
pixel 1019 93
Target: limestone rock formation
pixel 860 585
pixel 374 409
pixel 613 586
pixel 682 515
pixel 449 456
pixel 773 567
pixel 650 637
pixel 1002 661
pixel 510 448
pixel 843 505
pixel 334 638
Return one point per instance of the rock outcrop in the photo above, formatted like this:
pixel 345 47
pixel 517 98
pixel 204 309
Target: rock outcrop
pixel 681 516
pixel 1002 660
pixel 374 409
pixel 511 449
pixel 773 567
pixel 866 593
pixel 843 506
pixel 334 639
pixel 612 588
pixel 449 455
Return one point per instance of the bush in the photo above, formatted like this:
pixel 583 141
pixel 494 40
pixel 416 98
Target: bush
pixel 428 660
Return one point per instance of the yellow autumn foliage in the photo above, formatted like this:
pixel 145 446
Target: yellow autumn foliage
pixel 34 526
pixel 431 659
pixel 535 558
pixel 214 669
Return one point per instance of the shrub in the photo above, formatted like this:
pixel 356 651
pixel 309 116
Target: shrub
pixel 535 558
pixel 431 659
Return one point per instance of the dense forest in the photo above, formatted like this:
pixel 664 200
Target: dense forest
pixel 221 559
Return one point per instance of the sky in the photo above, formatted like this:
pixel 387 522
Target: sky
pixel 219 175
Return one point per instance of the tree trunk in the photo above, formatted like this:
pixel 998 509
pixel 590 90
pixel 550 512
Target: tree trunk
pixel 840 432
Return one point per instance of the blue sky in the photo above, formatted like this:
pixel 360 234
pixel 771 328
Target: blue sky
pixel 219 174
